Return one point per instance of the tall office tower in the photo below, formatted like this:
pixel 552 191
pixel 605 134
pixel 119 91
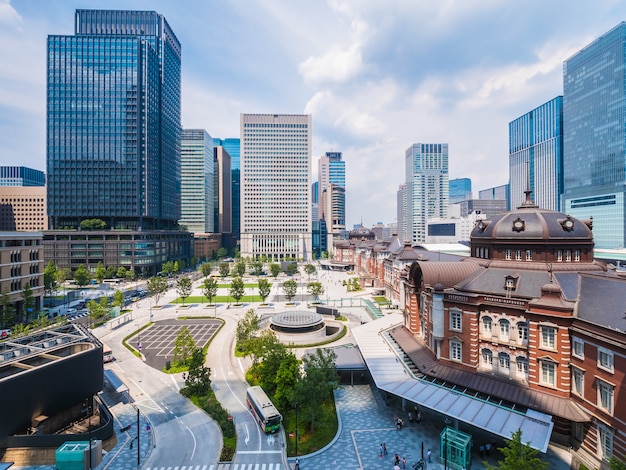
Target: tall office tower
pixel 276 186
pixel 426 187
pixel 113 137
pixel 21 176
pixel 497 192
pixel 332 201
pixel 223 191
pixel 232 146
pixel 536 155
pixel 401 213
pixel 460 190
pixel 197 170
pixel 594 124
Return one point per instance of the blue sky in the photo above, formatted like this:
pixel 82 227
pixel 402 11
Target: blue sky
pixel 376 76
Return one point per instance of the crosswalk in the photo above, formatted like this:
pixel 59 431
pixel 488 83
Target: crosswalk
pixel 226 466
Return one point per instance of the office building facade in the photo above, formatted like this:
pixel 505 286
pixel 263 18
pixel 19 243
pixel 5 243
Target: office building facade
pixel 21 176
pixel 197 181
pixel 401 212
pixel 113 129
pixel 460 190
pixel 536 155
pixel 426 186
pixel 233 147
pixel 594 139
pixel 497 192
pixel 332 194
pixel 23 208
pixel 223 212
pixel 276 186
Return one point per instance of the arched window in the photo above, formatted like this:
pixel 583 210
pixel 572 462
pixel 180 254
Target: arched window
pixel 504 361
pixel 487 357
pixel 487 323
pixel 505 327
pixel 522 332
pixel 522 366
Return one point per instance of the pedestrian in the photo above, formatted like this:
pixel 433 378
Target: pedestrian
pixel 403 462
pixel 297 466
pixel 410 417
pixel 419 416
pixel 381 450
pixel 384 448
pixel 481 450
pixel 428 454
pixel 396 460
pixel 487 449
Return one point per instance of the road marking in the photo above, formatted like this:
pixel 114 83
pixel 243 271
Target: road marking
pixel 241 365
pixel 259 451
pixel 270 439
pixel 194 441
pixel 247 439
pixel 175 383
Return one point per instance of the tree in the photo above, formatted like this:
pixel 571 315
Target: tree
pixel 240 268
pixel 130 274
pixel 82 276
pixel 157 287
pixel 257 267
pixel 237 289
pixel 222 253
pixel 167 268
pixel 518 456
pixel 110 272
pixel 315 289
pixel 29 299
pixel 616 464
pixel 210 288
pixel 206 269
pixel 98 310
pixel 184 288
pixel 224 269
pixel 264 289
pixel 274 269
pixel 317 384
pixel 93 224
pixel 100 273
pixel 184 347
pixel 198 380
pixel 118 299
pixel 287 376
pixel 246 328
pixel 309 269
pixel 8 318
pixel 50 283
pixel 290 288
pixel 292 268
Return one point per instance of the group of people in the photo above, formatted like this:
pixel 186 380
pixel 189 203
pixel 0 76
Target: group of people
pixel 485 450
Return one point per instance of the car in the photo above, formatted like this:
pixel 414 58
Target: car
pixel 70 311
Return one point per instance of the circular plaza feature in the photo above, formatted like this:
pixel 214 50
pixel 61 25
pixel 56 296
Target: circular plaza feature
pixel 297 321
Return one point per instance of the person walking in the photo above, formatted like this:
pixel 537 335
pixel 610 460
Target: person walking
pixel 419 417
pixel 403 462
pixel 428 454
pixel 380 452
pixel 384 448
pixel 396 460
pixel 487 449
pixel 297 466
pixel 410 417
pixel 481 450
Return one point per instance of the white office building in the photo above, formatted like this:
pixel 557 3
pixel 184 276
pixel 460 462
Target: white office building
pixel 276 186
pixel 197 170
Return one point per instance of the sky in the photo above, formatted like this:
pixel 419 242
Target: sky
pixel 375 76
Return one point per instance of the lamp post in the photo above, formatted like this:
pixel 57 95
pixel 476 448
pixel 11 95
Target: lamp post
pixel 296 405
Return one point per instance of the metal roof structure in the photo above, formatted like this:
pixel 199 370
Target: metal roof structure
pixel 393 376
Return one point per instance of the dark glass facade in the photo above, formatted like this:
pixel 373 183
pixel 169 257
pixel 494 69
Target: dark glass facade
pixel 594 137
pixel 460 190
pixel 114 132
pixel 232 146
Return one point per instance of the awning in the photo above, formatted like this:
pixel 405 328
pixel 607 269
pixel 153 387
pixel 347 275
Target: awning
pixel 391 375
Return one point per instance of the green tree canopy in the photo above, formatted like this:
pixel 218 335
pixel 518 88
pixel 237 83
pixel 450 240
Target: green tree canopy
pixel 157 286
pixel 518 456
pixel 265 287
pixel 246 329
pixel 82 276
pixel 274 269
pixel 168 268
pixel 93 224
pixel 309 269
pixel 290 288
pixel 110 272
pixel 198 380
pixel 130 274
pixel 315 289
pixel 118 299
pixel 184 347
pixel 292 268
pixel 210 287
pixel 257 267
pixel 100 273
pixel 184 288
pixel 224 269
pixel 29 300
pixel 317 384
pixel 206 269
pixel 240 268
pixel 121 272
pixel 237 289
pixel 8 317
pixel 50 282
pixel 222 253
pixel 98 310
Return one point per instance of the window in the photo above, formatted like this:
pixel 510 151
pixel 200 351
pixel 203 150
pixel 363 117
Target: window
pixel 605 359
pixel 518 255
pixel 576 255
pixel 487 356
pixel 605 438
pixel 605 396
pixel 578 348
pixel 548 373
pixel 455 320
pixel 455 351
pixel 522 366
pixel 522 332
pixel 529 255
pixel 579 432
pixel 487 322
pixel 577 381
pixel 504 329
pixel 548 337
pixel 507 255
pixel 559 255
pixel 504 361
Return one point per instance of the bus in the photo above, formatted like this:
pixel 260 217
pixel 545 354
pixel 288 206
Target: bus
pixel 107 354
pixel 263 409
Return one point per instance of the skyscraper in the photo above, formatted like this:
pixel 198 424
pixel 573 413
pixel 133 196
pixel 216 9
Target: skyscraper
pixel 401 212
pixel 332 194
pixel 594 138
pixel 21 176
pixel 113 137
pixel 276 186
pixel 197 181
pixel 460 190
pixel 536 155
pixel 223 191
pixel 232 146
pixel 426 187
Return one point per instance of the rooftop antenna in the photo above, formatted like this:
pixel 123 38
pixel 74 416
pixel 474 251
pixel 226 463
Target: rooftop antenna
pixel 528 202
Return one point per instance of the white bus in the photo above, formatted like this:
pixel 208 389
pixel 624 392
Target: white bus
pixel 263 409
pixel 107 354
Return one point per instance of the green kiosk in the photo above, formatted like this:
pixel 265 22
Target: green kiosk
pixel 456 449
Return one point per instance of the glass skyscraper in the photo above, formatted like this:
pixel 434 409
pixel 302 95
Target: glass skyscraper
pixel 594 138
pixel 332 195
pixel 232 146
pixel 460 190
pixel 113 121
pixel 536 155
pixel 197 181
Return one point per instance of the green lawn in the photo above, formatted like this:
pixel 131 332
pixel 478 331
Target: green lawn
pixel 380 299
pixel 200 299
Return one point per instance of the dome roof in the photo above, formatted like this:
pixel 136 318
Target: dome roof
pixel 530 223
pixel 362 232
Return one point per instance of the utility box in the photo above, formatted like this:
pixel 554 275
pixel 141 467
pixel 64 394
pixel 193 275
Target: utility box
pixel 74 455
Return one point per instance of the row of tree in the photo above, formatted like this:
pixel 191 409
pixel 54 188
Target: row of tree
pixel 255 267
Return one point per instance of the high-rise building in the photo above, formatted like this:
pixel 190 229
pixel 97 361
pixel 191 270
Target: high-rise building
pixel 23 208
pixel 332 200
pixel 276 186
pixel 460 190
pixel 113 139
pixel 536 155
pixel 223 191
pixel 426 186
pixel 113 145
pixel 594 138
pixel 496 192
pixel 401 211
pixel 232 146
pixel 197 171
pixel 21 176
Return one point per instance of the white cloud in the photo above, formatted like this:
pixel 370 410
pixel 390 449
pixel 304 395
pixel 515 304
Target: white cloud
pixel 8 15
pixel 335 66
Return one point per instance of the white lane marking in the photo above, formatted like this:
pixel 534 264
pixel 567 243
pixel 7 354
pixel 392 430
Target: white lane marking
pixel 175 383
pixel 147 395
pixel 241 365
pixel 247 439
pixel 194 441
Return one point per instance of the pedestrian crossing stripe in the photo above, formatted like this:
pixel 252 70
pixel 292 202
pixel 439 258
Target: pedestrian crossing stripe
pixel 225 466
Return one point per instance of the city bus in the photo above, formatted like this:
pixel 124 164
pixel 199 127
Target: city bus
pixel 263 409
pixel 107 354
